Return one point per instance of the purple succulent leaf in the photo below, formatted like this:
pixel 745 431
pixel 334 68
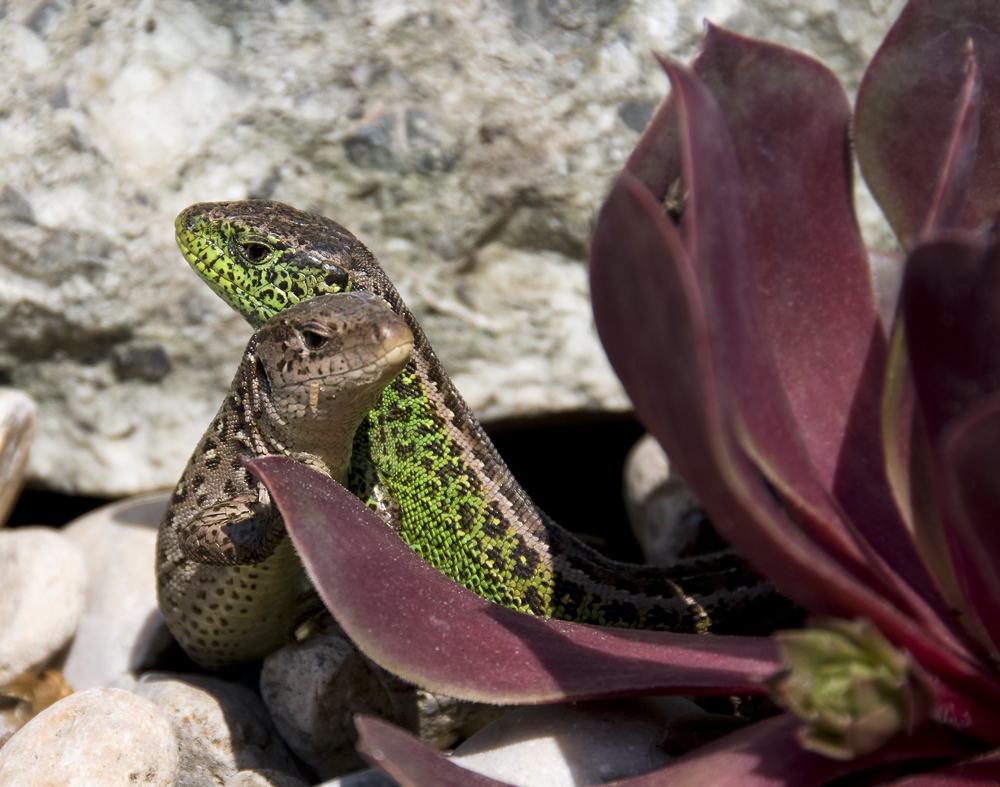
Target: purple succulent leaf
pixel 951 307
pixel 648 316
pixel 904 439
pixel 788 117
pixel 910 470
pixel 714 249
pixel 766 754
pixel 968 702
pixel 422 626
pixel 956 171
pixel 970 469
pixel 408 761
pixel 651 304
pixel 983 771
pixel 912 97
pixel 897 422
pixel 648 312
pixel 911 467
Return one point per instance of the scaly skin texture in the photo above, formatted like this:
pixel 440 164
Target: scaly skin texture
pixel 424 463
pixel 230 585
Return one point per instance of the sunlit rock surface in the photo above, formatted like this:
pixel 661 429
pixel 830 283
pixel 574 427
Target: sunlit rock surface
pixel 469 144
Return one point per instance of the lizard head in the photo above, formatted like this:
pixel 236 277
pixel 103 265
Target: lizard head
pixel 261 257
pixel 326 361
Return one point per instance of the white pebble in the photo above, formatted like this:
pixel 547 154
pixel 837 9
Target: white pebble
pixel 98 738
pixel 665 516
pixel 573 744
pixel 43 583
pixel 366 778
pixel 222 728
pixel 263 777
pixel 121 631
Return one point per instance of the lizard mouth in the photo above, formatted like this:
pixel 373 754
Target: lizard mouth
pixel 233 294
pixel 394 359
pixel 398 355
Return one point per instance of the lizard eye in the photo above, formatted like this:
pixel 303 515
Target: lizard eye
pixel 313 340
pixel 256 252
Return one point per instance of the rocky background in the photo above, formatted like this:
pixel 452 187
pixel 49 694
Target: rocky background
pixel 469 143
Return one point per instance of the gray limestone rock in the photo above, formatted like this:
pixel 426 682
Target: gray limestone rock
pixel 314 689
pixel 98 738
pixel 468 143
pixel 221 728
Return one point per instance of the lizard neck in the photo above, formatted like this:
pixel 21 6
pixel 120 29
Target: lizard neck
pixel 308 414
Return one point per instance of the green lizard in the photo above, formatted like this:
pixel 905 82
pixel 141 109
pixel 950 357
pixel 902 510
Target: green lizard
pixel 229 582
pixel 423 462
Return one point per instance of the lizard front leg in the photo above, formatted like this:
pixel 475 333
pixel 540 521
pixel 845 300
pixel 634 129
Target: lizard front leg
pixel 231 587
pixel 240 531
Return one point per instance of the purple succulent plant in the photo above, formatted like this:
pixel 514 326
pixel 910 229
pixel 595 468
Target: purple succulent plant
pixel 855 468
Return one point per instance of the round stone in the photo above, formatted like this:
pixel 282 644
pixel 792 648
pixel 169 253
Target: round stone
pixel 97 738
pixel 43 583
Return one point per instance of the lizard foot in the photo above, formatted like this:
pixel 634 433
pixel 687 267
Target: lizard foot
pixel 241 531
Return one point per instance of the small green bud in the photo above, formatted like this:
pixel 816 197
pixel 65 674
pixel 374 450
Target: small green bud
pixel 850 685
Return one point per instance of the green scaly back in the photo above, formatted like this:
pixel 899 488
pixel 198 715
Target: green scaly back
pixel 423 462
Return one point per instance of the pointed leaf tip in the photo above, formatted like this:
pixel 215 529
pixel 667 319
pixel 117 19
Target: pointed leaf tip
pixel 916 114
pixel 956 172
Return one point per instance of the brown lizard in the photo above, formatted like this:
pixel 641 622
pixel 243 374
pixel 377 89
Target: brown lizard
pixel 230 584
